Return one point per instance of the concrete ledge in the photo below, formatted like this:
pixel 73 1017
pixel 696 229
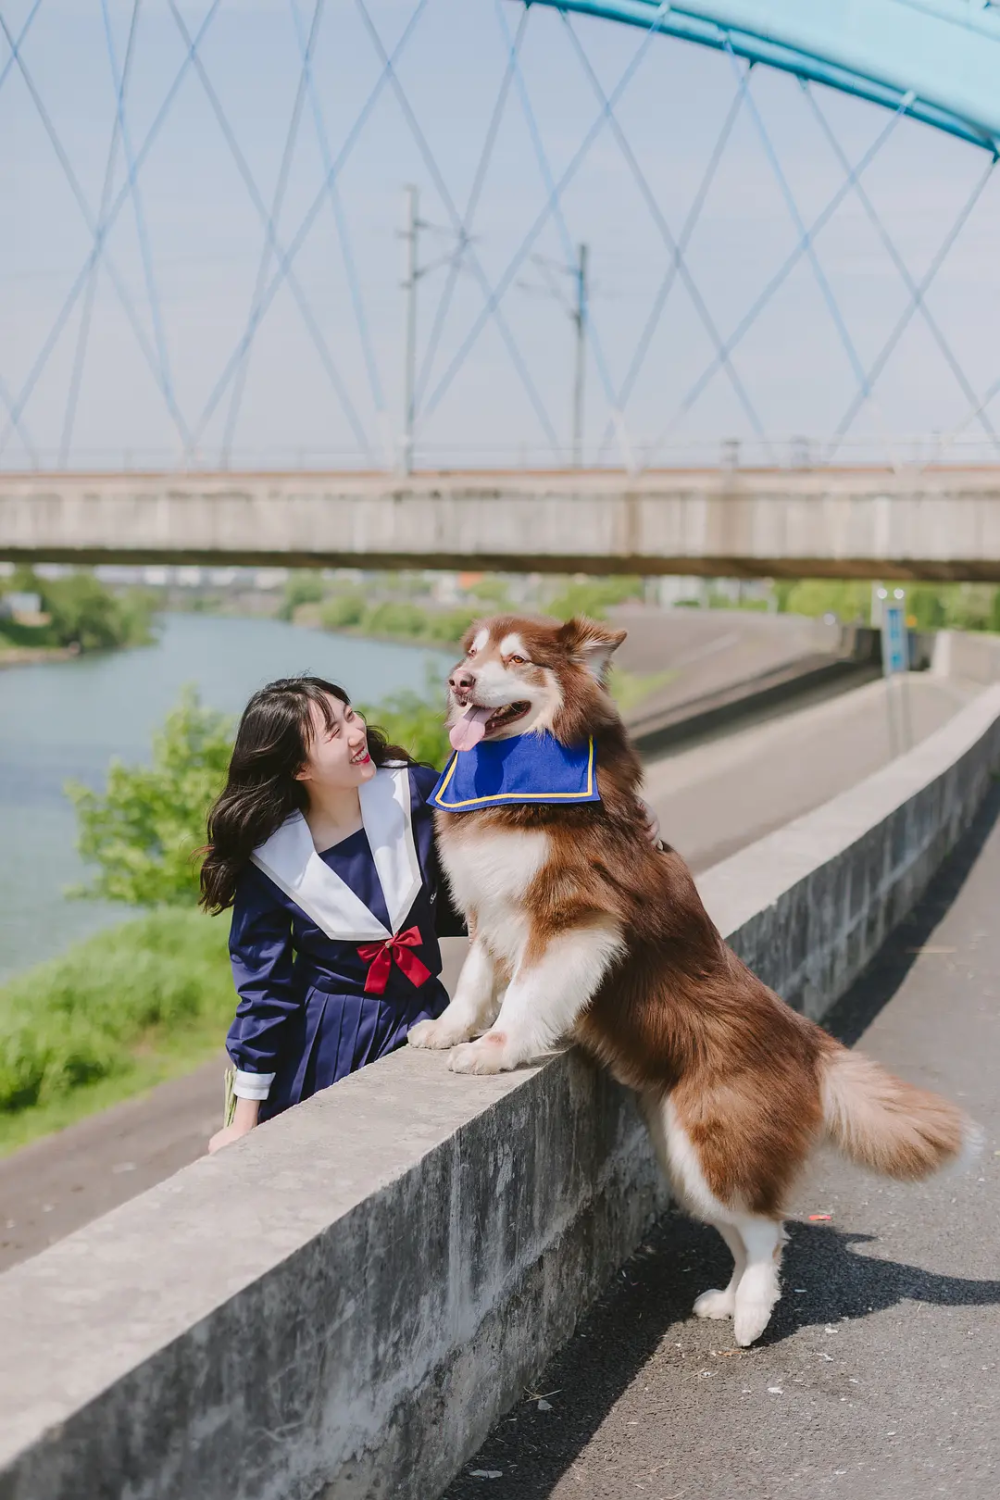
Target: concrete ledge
pixel 968 654
pixel 343 1304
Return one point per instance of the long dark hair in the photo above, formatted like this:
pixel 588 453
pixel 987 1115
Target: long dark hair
pixel 272 743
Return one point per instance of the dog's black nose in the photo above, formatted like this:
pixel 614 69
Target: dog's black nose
pixel 461 681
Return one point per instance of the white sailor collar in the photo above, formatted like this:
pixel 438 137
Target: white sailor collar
pixel 289 858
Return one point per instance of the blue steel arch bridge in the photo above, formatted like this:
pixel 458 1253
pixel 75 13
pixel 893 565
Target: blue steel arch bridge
pixel 419 234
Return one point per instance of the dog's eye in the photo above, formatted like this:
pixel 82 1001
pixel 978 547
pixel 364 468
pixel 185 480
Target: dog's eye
pixel 518 661
pixel 471 651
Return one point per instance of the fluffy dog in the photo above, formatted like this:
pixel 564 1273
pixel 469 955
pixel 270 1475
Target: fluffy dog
pixel 582 930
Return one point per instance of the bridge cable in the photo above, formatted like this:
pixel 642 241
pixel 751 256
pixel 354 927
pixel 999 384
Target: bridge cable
pixel 668 282
pixel 301 301
pixel 456 222
pixel 670 242
pixel 917 302
pixel 86 313
pixel 780 276
pixel 59 323
pixel 340 221
pixel 522 252
pixel 145 249
pixel 99 234
pixel 6 395
pixel 524 249
pixel 916 292
pixel 823 282
pixel 270 237
pixel 298 239
pixel 472 204
pixel 569 250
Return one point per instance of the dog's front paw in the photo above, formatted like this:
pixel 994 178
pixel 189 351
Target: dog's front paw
pixel 484 1056
pixel 438 1034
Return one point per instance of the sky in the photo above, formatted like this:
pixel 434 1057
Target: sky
pixel 182 340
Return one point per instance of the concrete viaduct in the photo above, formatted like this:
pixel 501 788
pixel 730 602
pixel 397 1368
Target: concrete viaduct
pixel 932 523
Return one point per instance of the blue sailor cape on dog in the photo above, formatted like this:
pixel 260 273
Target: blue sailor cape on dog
pixel 523 769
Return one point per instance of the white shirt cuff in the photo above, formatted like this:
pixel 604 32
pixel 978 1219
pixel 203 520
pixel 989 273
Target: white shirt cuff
pixel 252 1085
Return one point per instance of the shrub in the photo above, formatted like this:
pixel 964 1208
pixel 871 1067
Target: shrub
pixel 83 613
pixel 594 597
pixel 343 611
pixel 396 618
pixel 847 598
pixel 77 1018
pixel 305 587
pixel 144 832
pixel 449 627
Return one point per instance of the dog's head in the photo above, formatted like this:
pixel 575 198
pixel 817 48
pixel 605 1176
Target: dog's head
pixel 520 675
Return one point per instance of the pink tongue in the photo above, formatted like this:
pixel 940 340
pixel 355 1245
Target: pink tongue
pixel 470 728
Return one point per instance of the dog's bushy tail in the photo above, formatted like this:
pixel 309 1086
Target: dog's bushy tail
pixel 887 1125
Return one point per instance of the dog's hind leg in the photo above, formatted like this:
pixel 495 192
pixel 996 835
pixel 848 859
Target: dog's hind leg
pixel 472 1009
pixel 722 1303
pixel 755 1240
pixel 760 1286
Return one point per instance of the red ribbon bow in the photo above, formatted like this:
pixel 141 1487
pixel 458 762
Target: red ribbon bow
pixel 379 957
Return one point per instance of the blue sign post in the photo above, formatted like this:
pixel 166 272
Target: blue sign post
pixel 895 646
pixel 895 665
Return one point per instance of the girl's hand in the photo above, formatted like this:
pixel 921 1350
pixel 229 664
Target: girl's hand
pixel 652 824
pixel 243 1122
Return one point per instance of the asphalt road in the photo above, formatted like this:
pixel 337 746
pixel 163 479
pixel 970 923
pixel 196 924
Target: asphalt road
pixel 712 798
pixel 879 1378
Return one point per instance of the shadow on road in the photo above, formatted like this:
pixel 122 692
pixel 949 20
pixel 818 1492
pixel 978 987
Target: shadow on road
pixel 644 1316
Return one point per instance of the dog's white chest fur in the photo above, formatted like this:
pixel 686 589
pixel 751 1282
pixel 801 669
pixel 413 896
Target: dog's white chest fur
pixel 490 874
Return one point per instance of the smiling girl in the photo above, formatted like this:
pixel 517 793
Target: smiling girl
pixel 323 844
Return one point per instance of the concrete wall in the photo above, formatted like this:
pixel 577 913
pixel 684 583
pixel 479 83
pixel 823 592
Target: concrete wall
pixel 942 523
pixel 968 654
pixel 342 1304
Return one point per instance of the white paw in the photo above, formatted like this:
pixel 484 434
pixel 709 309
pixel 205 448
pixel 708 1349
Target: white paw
pixel 484 1056
pixel 715 1304
pixel 434 1034
pixel 750 1320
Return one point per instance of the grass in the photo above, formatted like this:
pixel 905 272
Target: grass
pixel 629 689
pixel 110 1018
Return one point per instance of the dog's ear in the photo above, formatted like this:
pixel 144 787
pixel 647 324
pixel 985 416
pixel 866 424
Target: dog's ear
pixel 590 644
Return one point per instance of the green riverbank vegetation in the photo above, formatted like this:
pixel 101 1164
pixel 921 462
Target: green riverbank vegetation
pixel 75 612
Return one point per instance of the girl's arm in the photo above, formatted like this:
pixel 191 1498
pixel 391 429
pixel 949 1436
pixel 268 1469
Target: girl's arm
pixel 260 951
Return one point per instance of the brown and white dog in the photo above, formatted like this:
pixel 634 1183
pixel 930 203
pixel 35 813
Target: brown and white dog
pixel 581 929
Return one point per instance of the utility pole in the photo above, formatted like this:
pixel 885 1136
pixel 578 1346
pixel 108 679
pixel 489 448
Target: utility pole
pixel 580 322
pixel 411 231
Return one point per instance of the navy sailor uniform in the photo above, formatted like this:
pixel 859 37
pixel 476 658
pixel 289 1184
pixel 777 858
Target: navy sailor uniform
pixel 335 955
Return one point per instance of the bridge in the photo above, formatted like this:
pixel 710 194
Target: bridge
pixel 930 523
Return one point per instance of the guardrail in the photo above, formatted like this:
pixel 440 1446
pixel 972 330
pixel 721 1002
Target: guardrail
pixel 344 1303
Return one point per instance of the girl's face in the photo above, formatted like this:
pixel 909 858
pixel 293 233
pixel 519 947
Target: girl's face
pixel 337 754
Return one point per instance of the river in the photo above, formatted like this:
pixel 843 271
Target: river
pixel 67 719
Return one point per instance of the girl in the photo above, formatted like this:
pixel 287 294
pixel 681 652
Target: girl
pixel 323 844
